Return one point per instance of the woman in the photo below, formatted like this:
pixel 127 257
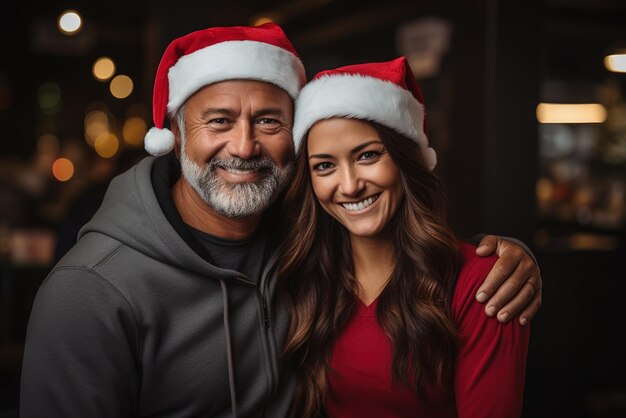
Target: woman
pixel 384 320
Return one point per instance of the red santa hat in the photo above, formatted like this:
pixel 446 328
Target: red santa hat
pixel 383 92
pixel 218 54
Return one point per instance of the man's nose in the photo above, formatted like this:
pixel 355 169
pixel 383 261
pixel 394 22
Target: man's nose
pixel 243 143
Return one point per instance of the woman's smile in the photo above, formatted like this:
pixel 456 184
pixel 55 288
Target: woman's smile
pixel 353 177
pixel 359 206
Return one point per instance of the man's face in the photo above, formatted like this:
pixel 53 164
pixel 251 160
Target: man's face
pixel 236 145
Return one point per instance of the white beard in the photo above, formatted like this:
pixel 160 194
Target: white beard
pixel 235 199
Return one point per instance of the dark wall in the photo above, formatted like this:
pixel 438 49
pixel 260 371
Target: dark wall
pixel 482 107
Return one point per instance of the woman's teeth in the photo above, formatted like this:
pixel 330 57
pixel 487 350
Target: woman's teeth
pixel 360 205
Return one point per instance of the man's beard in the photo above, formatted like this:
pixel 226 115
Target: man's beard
pixel 236 199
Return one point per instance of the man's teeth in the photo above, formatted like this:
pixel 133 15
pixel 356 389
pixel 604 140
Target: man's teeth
pixel 238 171
pixel 360 205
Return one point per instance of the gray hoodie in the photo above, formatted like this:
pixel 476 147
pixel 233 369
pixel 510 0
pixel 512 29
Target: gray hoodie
pixel 134 322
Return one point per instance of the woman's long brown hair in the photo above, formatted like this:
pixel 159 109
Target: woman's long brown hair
pixel 317 274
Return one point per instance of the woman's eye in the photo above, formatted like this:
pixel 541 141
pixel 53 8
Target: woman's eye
pixel 368 155
pixel 322 166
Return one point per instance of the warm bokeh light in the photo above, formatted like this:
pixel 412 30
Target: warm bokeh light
pixel 107 145
pixel 121 86
pixel 96 123
pixel 571 113
pixel 62 169
pixel 70 22
pixel 134 130
pixel 615 63
pixel 103 69
pixel 544 190
pixel 262 20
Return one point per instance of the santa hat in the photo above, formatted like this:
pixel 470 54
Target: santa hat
pixel 216 54
pixel 383 92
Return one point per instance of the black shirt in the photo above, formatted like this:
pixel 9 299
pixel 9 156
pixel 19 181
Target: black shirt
pixel 246 256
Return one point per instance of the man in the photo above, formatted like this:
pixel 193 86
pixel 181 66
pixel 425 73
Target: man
pixel 166 305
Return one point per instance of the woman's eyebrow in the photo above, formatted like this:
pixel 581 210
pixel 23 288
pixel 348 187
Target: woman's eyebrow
pixel 360 147
pixel 320 156
pixel 352 151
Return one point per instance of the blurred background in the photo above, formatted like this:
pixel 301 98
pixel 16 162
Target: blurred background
pixel 526 108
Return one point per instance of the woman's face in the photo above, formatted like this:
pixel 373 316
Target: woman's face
pixel 353 176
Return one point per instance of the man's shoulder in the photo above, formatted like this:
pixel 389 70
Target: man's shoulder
pixel 100 265
pixel 89 251
pixel 97 256
pixel 75 280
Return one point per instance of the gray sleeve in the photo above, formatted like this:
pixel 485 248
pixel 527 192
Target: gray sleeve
pixel 80 358
pixel 476 239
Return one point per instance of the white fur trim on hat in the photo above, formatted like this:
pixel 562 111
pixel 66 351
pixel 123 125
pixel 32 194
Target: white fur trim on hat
pixel 233 60
pixel 159 141
pixel 362 97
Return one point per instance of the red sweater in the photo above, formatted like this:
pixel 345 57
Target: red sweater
pixel 490 364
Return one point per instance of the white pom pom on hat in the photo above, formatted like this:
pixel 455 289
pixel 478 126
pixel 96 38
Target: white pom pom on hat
pixel 262 53
pixel 383 92
pixel 159 141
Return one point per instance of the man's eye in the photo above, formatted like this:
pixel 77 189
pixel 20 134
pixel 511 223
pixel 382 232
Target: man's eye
pixel 219 121
pixel 267 121
pixel 322 166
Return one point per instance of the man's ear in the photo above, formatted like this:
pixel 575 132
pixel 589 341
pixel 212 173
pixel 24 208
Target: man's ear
pixel 176 131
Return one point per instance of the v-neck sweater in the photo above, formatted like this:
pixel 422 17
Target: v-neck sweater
pixel 489 372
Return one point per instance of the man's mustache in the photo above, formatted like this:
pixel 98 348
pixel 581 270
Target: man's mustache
pixel 253 164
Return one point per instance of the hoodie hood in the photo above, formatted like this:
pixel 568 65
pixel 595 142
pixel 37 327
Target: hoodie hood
pixel 131 214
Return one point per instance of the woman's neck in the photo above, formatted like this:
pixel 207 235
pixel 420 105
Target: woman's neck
pixel 374 260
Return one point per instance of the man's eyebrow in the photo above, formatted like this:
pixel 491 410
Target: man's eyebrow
pixel 275 111
pixel 217 111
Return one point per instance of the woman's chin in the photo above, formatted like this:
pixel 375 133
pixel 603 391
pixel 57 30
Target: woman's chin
pixel 364 231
